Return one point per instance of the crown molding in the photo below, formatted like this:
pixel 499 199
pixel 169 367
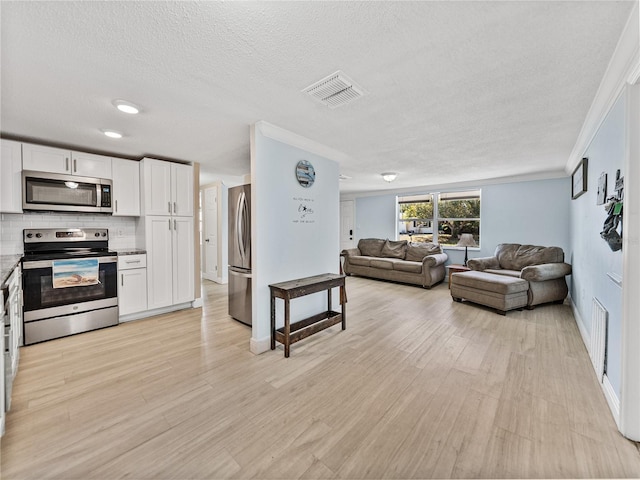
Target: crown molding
pixel 285 136
pixel 446 187
pixel 623 68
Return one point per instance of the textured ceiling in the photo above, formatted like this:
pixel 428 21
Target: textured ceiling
pixel 457 91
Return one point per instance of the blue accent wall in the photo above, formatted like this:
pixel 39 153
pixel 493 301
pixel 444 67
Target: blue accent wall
pixel 533 212
pixel 592 257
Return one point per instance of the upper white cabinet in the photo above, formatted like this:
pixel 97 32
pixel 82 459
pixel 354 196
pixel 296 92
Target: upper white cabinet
pixel 11 177
pixel 126 187
pixel 90 165
pixel 168 188
pixel 60 160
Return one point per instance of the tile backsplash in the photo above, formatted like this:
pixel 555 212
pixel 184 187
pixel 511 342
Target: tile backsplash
pixel 122 230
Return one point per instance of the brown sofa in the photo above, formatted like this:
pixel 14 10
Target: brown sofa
pixel 542 268
pixel 415 263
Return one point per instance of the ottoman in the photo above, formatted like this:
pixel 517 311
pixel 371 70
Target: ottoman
pixel 501 292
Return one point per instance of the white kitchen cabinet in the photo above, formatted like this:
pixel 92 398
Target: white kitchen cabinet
pixel 61 160
pixel 125 188
pixel 13 318
pixel 170 260
pixel 168 188
pixel 182 189
pixel 11 177
pixel 90 165
pixel 2 386
pixel 132 285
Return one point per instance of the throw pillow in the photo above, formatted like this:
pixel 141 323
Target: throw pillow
pixel 393 249
pixel 417 251
pixel 370 247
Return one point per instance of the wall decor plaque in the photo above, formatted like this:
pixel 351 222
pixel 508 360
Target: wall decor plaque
pixel 305 173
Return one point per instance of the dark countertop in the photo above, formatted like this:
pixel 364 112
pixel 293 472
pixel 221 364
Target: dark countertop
pixel 7 264
pixel 129 251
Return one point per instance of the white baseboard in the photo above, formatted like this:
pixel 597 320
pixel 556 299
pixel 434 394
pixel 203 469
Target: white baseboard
pixel 609 392
pixel 157 311
pixel 197 303
pixel 612 399
pixel 586 336
pixel 258 346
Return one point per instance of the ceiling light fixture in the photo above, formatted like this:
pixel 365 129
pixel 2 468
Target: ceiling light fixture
pixel 126 107
pixel 112 133
pixel 389 176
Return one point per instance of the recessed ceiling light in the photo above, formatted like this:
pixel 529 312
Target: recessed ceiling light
pixel 389 176
pixel 126 107
pixel 112 133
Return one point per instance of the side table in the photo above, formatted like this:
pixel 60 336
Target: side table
pixel 294 332
pixel 454 268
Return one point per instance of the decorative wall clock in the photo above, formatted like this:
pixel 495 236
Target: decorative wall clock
pixel 305 173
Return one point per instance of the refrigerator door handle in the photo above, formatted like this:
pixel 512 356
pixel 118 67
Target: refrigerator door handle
pixel 240 226
pixel 239 273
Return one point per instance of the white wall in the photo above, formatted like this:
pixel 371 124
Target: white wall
pixel 533 212
pixel 592 257
pixel 286 243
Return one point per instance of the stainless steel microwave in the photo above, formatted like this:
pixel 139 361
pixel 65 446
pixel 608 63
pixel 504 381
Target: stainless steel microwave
pixel 65 193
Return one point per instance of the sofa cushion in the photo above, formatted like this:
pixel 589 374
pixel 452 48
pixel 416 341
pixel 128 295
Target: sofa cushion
pixel 392 249
pixel 417 251
pixel 406 266
pixel 513 256
pixel 504 271
pixel 370 247
pixel 502 284
pixel 359 260
pixel 382 263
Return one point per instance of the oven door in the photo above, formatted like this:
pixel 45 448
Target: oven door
pixel 42 300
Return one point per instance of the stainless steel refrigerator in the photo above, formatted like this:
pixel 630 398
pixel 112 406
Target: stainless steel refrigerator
pixel 240 253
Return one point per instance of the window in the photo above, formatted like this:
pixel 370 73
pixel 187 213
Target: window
pixel 458 212
pixel 415 218
pixel 454 213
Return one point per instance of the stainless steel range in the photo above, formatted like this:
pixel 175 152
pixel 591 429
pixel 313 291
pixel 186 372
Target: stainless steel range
pixel 70 282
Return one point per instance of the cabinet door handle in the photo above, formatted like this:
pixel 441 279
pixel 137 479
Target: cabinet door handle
pixel 169 206
pixel 116 205
pixel 66 164
pixel 175 225
pixel 169 224
pixel 75 165
pixel 174 208
pixel 122 279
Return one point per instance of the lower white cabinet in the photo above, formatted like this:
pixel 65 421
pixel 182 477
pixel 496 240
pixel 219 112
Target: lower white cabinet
pixel 132 284
pixel 2 386
pixel 170 264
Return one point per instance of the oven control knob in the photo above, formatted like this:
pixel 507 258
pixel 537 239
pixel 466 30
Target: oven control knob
pixel 29 235
pixel 104 234
pixel 97 234
pixel 38 235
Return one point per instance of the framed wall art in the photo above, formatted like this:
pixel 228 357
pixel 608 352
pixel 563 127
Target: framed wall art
pixel 602 189
pixel 579 179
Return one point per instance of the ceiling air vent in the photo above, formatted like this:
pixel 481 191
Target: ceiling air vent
pixel 335 90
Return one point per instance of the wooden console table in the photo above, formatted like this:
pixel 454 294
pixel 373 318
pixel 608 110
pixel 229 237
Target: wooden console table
pixel 292 333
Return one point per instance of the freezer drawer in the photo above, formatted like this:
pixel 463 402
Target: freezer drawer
pixel 240 295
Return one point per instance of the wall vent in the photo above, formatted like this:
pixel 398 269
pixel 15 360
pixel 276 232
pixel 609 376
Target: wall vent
pixel 598 348
pixel 335 90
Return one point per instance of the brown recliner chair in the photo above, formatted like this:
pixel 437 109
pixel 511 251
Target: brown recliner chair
pixel 542 267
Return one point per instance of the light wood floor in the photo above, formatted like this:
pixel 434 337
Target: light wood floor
pixel 416 387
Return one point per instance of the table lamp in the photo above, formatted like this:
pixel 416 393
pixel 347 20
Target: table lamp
pixel 466 241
